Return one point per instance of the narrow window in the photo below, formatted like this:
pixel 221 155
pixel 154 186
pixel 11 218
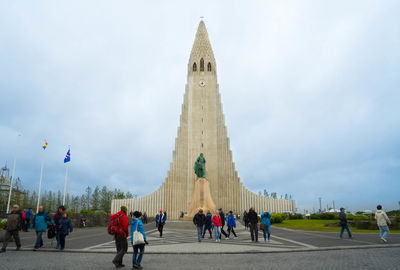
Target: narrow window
pixel 201 64
pixel 202 107
pixel 202 145
pixel 202 120
pixel 194 66
pixel 201 132
pixel 209 66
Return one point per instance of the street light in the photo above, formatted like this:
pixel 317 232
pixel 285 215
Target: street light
pixel 13 174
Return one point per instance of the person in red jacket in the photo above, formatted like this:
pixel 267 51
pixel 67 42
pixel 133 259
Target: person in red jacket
pixel 121 243
pixel 217 222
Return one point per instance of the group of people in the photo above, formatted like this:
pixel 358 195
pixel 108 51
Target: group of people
pixel 382 220
pixel 250 220
pixel 41 221
pixel 217 222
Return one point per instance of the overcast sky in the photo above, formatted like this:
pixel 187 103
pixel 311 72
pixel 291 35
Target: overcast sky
pixel 310 93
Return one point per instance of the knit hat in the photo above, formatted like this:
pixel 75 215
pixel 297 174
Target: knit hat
pixel 124 208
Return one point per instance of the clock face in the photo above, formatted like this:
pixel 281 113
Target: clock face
pixel 202 83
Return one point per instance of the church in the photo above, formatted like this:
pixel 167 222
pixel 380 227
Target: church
pixel 202 130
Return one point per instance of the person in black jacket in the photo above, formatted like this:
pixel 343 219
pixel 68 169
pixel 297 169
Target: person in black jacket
pixel 344 224
pixel 208 224
pixel 199 219
pixel 222 215
pixel 245 220
pixel 57 218
pixel 253 220
pixel 14 224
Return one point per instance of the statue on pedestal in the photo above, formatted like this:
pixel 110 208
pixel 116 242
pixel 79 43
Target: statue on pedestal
pixel 200 166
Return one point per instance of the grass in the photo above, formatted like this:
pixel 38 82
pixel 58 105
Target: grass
pixel 317 225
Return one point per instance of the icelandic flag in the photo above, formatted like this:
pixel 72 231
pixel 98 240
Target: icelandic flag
pixel 67 157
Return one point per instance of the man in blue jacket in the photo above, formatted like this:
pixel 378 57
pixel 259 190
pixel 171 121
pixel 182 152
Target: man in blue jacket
pixel 39 222
pixel 231 222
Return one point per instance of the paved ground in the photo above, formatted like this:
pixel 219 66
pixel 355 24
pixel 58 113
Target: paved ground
pixel 93 248
pixel 374 259
pixel 180 237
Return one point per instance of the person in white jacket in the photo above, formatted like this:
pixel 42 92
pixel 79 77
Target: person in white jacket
pixel 383 223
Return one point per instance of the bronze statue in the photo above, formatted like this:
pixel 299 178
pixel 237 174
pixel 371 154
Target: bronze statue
pixel 200 166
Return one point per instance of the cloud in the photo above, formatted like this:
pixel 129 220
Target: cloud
pixel 309 91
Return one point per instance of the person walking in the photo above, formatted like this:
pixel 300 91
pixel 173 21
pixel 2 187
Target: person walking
pixel 344 224
pixel 137 225
pixel 198 220
pixel 161 218
pixel 57 217
pixel 13 225
pixel 253 220
pixel 222 215
pixel 265 225
pixel 64 227
pixel 245 220
pixel 231 223
pixel 208 224
pixel 39 222
pixel 144 218
pixel 383 223
pixel 28 215
pixel 217 222
pixel 122 232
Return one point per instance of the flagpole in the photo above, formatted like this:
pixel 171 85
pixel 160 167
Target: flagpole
pixel 65 182
pixel 40 182
pixel 13 175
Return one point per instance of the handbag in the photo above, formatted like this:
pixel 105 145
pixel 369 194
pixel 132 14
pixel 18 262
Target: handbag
pixel 138 238
pixel 262 227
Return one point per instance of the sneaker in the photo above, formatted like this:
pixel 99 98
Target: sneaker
pixel 384 240
pixel 265 240
pixel 139 266
pixel 216 240
pixel 61 249
pixel 18 249
pixel 35 249
pixel 2 250
pixel 135 266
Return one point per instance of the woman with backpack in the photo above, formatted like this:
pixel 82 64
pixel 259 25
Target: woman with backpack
pixel 138 239
pixel 64 227
pixel 217 222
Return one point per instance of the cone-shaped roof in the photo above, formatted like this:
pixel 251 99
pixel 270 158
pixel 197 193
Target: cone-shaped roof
pixel 202 46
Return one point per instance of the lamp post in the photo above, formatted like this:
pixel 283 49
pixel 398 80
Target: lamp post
pixel 13 174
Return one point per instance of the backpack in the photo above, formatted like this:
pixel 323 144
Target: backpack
pixel 51 231
pixel 114 227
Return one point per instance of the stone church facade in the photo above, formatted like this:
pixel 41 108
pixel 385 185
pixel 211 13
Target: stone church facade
pixel 202 130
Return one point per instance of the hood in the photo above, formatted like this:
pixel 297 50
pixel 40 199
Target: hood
pixel 379 211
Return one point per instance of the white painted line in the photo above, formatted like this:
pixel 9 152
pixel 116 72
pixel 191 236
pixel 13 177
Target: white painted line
pixel 295 242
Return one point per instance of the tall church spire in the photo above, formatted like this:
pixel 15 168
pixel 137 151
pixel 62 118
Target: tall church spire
pixel 201 50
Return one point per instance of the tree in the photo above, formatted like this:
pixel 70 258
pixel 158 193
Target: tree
pixel 266 193
pixel 105 199
pixel 96 199
pixel 88 197
pixel 128 195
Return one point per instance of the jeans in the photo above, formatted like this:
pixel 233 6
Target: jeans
pixel 122 247
pixel 135 258
pixel 7 237
pixel 217 232
pixel 62 240
pixel 266 231
pixel 254 231
pixel 230 229
pixel 58 238
pixel 207 227
pixel 347 229
pixel 160 228
pixel 199 232
pixel 39 240
pixel 384 231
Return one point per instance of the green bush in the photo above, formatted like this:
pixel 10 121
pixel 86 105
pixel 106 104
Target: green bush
pixel 90 212
pixel 361 217
pixel 315 216
pixel 70 213
pixel 295 216
pixel 277 218
pixel 327 216
pixel 3 223
pixel 350 216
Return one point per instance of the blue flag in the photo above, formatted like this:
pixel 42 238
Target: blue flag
pixel 67 157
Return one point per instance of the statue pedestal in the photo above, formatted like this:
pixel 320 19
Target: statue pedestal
pixel 201 198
